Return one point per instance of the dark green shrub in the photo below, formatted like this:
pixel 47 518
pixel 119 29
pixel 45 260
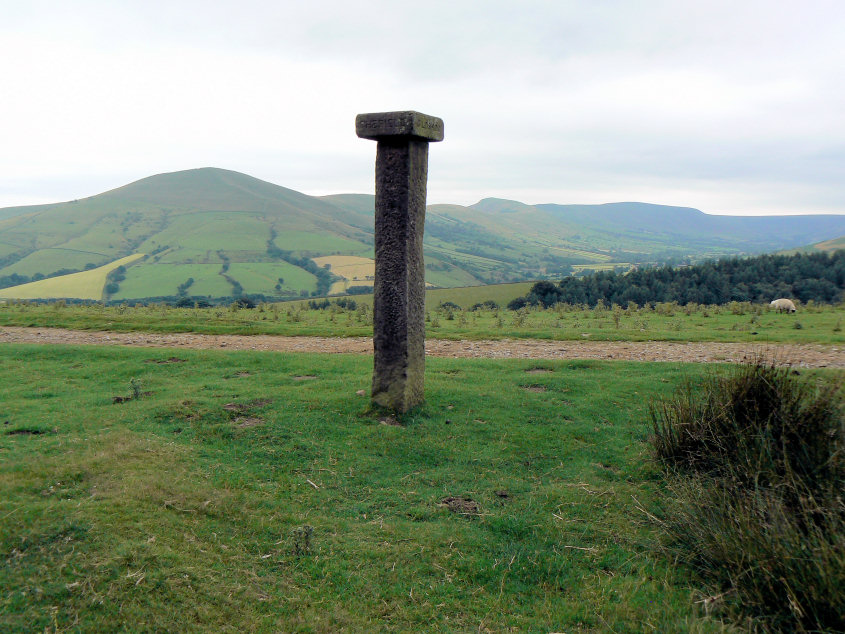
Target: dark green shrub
pixel 487 304
pixel 756 467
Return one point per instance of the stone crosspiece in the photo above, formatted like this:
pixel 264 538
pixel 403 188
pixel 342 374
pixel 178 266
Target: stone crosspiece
pixel 399 292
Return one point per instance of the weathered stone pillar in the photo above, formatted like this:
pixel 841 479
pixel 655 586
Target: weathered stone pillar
pixel 399 300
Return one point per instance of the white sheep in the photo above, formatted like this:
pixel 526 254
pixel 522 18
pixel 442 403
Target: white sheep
pixel 783 305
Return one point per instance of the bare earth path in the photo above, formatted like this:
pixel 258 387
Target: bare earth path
pixel 803 355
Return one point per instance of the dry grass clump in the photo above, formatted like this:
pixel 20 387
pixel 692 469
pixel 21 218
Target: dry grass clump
pixel 756 466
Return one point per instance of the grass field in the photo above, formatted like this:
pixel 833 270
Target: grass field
pixel 464 296
pixel 350 267
pixel 149 278
pixel 84 285
pixel 230 231
pixel 299 241
pixel 467 297
pixel 605 266
pixel 452 277
pixel 256 492
pixel 355 271
pixel 262 277
pixel 832 245
pixel 46 261
pixel 665 322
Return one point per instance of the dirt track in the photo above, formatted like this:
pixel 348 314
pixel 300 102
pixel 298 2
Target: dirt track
pixel 804 355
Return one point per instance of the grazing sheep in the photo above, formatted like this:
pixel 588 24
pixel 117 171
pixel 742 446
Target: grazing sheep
pixel 783 305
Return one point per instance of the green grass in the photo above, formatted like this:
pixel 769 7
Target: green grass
pixel 174 513
pixel 469 296
pixel 150 279
pixel 105 236
pixel 323 244
pixel 454 277
pixel 741 323
pixel 262 277
pixel 47 261
pixel 209 231
pixel 7 248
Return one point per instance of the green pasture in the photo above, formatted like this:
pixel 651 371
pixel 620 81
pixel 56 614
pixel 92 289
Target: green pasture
pixel 321 243
pixel 213 230
pixel 602 266
pixel 438 247
pixel 262 277
pixel 46 261
pixel 250 491
pixel 738 322
pixel 468 296
pixel 180 255
pixel 104 236
pixel 453 277
pixel 578 253
pixel 7 248
pixel 150 279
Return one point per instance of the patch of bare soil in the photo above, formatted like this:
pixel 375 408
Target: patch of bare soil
pixel 248 421
pixel 241 408
pixel 798 355
pixel 461 505
pixel 534 388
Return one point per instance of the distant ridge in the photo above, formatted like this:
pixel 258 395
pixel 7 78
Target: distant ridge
pixel 211 232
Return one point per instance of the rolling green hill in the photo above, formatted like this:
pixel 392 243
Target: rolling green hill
pixel 214 232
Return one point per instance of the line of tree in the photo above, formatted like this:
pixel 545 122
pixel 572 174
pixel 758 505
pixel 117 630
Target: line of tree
pixel 113 280
pixel 182 289
pixel 324 276
pixel 819 277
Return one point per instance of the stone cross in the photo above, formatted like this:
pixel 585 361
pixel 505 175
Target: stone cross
pixel 399 291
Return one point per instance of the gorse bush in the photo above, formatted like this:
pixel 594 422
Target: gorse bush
pixel 757 471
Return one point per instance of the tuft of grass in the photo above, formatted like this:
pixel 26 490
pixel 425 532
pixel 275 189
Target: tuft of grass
pixel 756 465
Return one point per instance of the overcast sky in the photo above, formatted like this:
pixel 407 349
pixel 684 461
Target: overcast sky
pixel 731 107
